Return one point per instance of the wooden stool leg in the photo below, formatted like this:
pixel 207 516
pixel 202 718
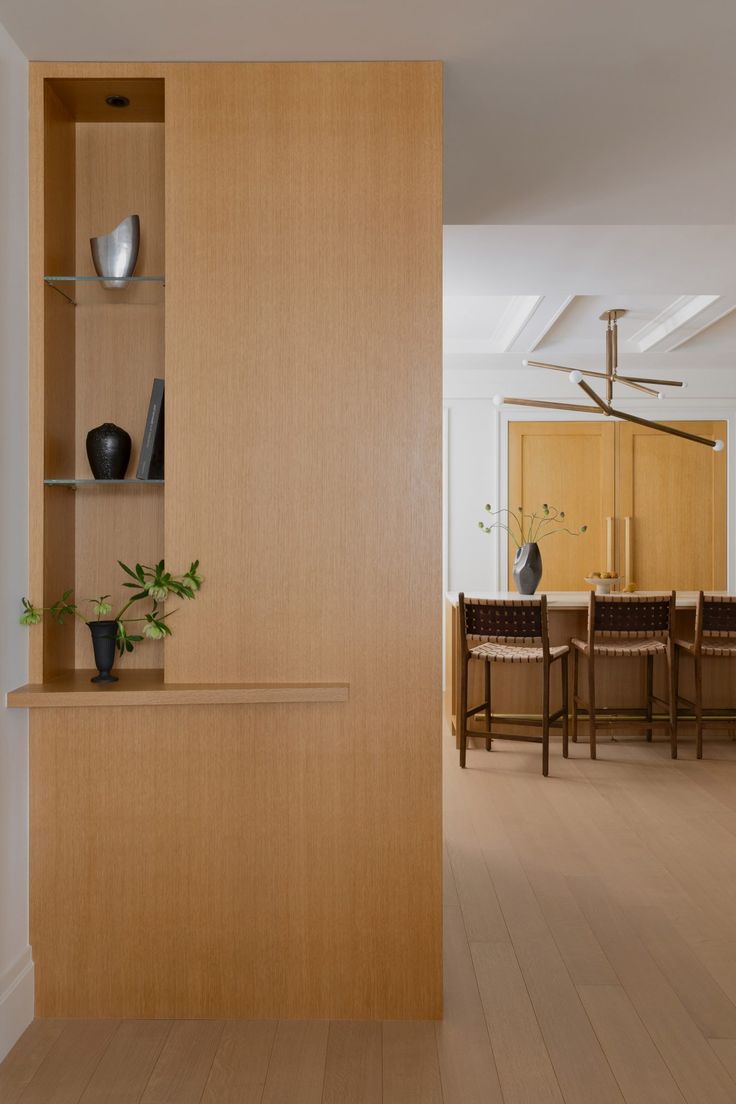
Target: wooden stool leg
pixel 565 706
pixel 574 695
pixel 488 703
pixel 591 704
pixel 545 720
pixel 672 687
pixel 650 691
pixel 462 709
pixel 675 692
pixel 699 705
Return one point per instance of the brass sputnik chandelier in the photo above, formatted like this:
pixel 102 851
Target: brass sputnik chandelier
pixel 611 377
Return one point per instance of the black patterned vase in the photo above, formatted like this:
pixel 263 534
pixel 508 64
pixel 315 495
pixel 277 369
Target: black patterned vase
pixel 108 451
pixel 527 568
pixel 103 643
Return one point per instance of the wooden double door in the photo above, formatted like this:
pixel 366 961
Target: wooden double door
pixel 655 505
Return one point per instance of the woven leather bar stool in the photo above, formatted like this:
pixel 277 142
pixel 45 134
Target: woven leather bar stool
pixel 508 631
pixel 715 637
pixel 626 626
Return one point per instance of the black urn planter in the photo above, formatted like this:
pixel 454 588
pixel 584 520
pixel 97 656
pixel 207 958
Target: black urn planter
pixel 527 568
pixel 108 451
pixel 103 642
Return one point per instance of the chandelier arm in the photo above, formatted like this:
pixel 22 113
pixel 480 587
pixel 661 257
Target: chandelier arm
pixel 561 368
pixel 663 428
pixel 551 405
pixel 643 379
pixel 603 406
pixel 636 386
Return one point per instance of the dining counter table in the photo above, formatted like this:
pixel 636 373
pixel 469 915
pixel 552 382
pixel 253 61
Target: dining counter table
pixel 517 688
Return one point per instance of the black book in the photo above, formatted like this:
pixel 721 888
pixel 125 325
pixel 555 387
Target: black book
pixel 151 461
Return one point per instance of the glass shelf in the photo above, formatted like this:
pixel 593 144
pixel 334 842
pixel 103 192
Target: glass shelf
pixel 103 482
pixel 102 294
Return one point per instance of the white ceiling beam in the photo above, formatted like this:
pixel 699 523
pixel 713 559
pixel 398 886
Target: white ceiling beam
pixel 685 316
pixel 549 311
pixel 515 318
pixel 704 321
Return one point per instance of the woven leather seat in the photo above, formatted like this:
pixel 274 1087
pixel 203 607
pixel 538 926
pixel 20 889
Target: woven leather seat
pixel 626 626
pixel 503 630
pixel 715 637
pixel 624 648
pixel 516 653
pixel 708 649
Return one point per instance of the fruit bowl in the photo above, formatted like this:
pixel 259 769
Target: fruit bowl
pixel 602 583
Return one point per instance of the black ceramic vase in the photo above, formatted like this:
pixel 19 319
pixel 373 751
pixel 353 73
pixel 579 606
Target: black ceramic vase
pixel 108 451
pixel 103 642
pixel 527 568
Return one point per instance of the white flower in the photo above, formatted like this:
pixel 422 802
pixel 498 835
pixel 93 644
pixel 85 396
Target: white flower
pixel 154 631
pixel 158 593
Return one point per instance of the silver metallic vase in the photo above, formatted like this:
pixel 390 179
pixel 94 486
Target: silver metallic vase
pixel 115 254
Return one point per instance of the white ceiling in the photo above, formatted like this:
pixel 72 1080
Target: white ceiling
pixel 576 111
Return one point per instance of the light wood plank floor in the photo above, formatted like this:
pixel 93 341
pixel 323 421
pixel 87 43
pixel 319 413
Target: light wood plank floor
pixel 590 931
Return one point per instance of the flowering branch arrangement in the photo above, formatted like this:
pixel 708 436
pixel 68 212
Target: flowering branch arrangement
pixel 153 584
pixel 529 528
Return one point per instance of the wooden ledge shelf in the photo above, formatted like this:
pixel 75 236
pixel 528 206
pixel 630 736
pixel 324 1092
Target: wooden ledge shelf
pixel 147 687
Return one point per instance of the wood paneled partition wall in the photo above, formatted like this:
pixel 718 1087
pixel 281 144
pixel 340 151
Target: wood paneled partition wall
pixel 281 858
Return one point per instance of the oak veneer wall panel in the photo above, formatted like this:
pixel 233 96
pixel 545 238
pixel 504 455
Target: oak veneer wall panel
pixel 304 371
pixel 228 862
pixel 119 351
pixel 36 358
pixel 304 470
pixel 51 352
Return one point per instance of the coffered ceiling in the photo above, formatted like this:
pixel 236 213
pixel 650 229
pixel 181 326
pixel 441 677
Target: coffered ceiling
pixel 577 111
pixel 555 326
pixel 517 292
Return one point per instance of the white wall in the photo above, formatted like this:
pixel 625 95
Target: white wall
pixel 16 968
pixel 475 465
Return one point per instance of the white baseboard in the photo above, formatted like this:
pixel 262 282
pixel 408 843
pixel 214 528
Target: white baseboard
pixel 16 1001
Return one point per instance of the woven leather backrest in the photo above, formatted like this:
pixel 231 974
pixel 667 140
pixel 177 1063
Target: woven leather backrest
pixel 504 620
pixel 632 615
pixel 719 615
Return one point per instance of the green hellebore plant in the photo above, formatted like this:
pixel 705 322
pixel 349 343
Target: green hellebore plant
pixel 529 528
pixel 151 583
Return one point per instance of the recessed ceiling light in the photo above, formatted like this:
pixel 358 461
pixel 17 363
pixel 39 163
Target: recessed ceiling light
pixel 117 101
